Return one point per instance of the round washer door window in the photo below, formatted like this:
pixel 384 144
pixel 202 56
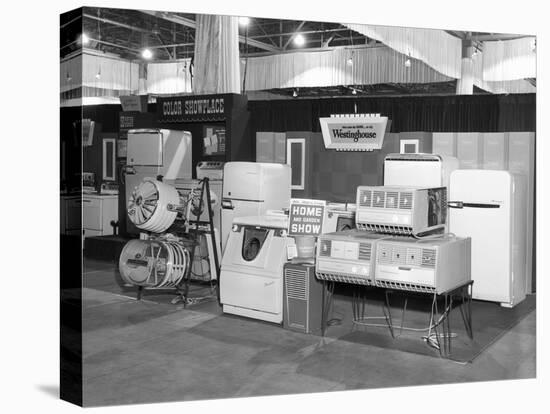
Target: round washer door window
pixel 251 249
pixel 254 239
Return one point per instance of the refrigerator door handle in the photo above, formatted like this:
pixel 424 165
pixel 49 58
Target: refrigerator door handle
pixel 227 205
pixel 455 204
pixel 462 204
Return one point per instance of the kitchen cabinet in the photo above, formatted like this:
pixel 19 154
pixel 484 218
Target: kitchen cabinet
pixel 97 213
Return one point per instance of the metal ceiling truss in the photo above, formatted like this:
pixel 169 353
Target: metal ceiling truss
pixel 125 33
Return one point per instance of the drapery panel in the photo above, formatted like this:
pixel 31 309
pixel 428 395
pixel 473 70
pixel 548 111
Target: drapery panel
pixel 331 68
pixel 216 63
pixel 505 86
pixel 509 60
pixel 434 47
pixel 98 72
pixel 169 77
pixel 460 113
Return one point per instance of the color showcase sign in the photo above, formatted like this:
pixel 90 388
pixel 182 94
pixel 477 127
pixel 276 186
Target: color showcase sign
pixel 191 108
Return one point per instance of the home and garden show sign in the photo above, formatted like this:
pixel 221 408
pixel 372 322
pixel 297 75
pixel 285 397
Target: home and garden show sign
pixel 306 217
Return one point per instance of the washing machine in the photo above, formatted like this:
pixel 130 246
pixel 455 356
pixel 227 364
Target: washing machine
pixel 251 277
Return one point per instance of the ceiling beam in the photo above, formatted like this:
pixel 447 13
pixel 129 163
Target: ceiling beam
pixel 302 32
pixel 269 36
pixel 319 49
pixel 115 23
pixel 191 23
pixel 103 42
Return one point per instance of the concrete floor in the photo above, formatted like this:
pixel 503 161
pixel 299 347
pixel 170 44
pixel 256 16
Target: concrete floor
pixel 153 351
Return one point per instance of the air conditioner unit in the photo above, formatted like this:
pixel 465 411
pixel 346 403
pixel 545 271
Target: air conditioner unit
pixel 347 256
pixel 433 266
pixel 303 299
pixel 425 170
pixel 401 210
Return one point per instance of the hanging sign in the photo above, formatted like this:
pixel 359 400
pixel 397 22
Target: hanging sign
pixel 306 217
pixel 354 132
pixel 192 108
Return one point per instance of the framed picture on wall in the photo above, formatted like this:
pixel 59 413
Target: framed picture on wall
pixel 213 140
pixel 296 158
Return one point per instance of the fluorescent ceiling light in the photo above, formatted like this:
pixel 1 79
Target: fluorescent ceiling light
pixel 299 40
pixel 146 54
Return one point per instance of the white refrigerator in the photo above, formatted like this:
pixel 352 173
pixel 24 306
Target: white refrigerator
pixel 251 189
pixel 488 206
pixel 153 153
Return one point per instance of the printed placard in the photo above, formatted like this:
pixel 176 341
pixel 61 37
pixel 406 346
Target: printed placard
pixel 354 133
pixel 306 217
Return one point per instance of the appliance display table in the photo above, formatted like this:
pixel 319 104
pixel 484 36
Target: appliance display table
pixel 439 333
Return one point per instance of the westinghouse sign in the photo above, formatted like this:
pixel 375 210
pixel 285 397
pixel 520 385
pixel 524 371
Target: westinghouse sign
pixel 354 132
pixel 196 108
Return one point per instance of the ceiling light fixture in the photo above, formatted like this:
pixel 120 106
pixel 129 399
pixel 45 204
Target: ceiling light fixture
pixel 98 74
pixel 408 61
pixel 146 54
pixel 84 39
pixel 69 77
pixel 299 39
pixel 295 93
pixel 244 21
pixel 353 91
pixel 350 59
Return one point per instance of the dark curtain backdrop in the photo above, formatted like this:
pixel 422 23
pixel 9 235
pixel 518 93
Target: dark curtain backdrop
pixel 465 113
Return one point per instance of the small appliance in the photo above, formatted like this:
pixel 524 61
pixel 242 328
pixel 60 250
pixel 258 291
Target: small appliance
pixel 401 210
pixel 339 216
pixel 347 256
pixel 434 265
pixel 211 169
pixel 251 278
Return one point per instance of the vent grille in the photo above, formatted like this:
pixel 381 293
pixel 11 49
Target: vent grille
pixel 365 198
pixel 405 200
pixel 364 251
pixel 345 278
pixel 378 199
pixel 384 254
pixel 404 286
pixel 391 199
pixel 414 257
pixel 325 248
pixel 428 257
pixel 382 228
pixel 399 255
pixel 295 281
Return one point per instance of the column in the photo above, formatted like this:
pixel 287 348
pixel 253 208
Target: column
pixel 465 84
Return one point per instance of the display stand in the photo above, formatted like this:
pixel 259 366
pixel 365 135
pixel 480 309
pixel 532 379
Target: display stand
pixel 439 317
